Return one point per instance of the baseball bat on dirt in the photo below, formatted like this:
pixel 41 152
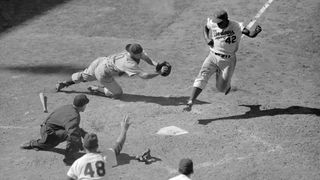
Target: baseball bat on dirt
pixel 43 100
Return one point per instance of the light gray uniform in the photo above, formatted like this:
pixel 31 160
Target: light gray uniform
pixel 222 57
pixel 103 69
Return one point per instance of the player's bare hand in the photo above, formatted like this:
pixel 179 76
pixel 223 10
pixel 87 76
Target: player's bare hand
pixel 125 122
pixel 258 29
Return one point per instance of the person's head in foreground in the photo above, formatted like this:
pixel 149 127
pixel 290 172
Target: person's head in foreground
pixel 186 167
pixel 90 142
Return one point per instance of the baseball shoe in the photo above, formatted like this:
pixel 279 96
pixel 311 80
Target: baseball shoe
pixel 188 107
pixel 227 91
pixel 93 89
pixel 60 86
pixel 28 145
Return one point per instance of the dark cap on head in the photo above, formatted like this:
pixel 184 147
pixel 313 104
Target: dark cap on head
pixel 186 166
pixel 219 16
pixel 90 141
pixel 80 100
pixel 134 48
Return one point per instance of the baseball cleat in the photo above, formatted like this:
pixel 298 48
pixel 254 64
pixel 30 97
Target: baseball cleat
pixel 60 86
pixel 26 146
pixel 188 106
pixel 93 89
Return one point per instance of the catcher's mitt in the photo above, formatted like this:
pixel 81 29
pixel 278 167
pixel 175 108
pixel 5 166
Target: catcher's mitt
pixel 165 65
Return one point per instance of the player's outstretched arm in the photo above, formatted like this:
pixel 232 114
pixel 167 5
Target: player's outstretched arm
pixel 252 34
pixel 144 75
pixel 122 137
pixel 148 60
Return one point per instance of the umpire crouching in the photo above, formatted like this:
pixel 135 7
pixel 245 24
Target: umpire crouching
pixel 62 125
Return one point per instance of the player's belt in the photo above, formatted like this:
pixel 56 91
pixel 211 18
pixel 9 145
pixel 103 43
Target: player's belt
pixel 222 55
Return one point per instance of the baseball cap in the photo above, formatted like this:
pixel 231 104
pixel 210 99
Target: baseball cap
pixel 134 48
pixel 219 16
pixel 80 100
pixel 90 141
pixel 186 166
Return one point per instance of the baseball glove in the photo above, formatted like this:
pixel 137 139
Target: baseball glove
pixel 167 70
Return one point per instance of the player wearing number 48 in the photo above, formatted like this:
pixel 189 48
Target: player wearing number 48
pixel 94 164
pixel 223 37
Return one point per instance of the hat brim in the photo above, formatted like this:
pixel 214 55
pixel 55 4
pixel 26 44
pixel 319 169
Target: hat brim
pixel 128 48
pixel 216 20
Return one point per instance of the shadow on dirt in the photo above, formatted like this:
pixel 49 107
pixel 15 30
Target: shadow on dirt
pixel 55 150
pixel 256 112
pixel 44 69
pixel 163 101
pixel 83 92
pixel 62 152
pixel 16 12
pixel 124 158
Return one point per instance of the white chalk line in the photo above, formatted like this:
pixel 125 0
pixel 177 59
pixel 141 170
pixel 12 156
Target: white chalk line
pixel 213 164
pixel 227 160
pixel 272 148
pixel 170 170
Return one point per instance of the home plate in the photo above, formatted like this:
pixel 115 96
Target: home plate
pixel 171 131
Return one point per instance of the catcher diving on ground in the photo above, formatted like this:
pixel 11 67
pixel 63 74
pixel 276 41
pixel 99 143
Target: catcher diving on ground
pixel 223 37
pixel 104 69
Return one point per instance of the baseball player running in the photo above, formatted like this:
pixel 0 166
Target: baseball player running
pixel 223 36
pixel 94 164
pixel 103 69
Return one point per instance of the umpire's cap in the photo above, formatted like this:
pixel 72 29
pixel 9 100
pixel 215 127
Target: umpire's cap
pixel 80 100
pixel 90 141
pixel 186 166
pixel 219 16
pixel 134 48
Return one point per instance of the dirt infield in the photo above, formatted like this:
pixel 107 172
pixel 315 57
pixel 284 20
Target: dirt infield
pixel 266 128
